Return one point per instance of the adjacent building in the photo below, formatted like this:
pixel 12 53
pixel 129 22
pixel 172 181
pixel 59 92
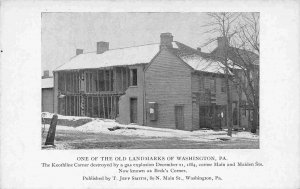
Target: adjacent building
pixel 166 85
pixel 47 93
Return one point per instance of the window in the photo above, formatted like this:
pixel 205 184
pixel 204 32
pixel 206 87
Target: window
pixel 111 80
pixel 243 104
pixel 201 83
pixel 133 77
pixel 101 80
pixel 107 76
pixel 223 86
pixel 213 84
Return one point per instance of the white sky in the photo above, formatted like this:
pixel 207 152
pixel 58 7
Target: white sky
pixel 62 33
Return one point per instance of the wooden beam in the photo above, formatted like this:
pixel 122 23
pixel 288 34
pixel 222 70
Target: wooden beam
pixel 97 82
pixel 89 112
pixel 77 107
pixel 115 79
pixel 103 103
pixel 79 81
pixel 107 107
pixel 115 106
pixel 98 107
pixel 92 106
pixel 104 75
pixel 130 77
pixel 65 108
pixel 126 79
pixel 73 107
pixel 69 112
pixel 70 99
pixel 111 110
pixel 122 79
pixel 74 87
pixel 65 76
pixel 73 81
pixel 91 80
pixel 86 82
pixel 76 81
pixel 109 80
pixel 107 104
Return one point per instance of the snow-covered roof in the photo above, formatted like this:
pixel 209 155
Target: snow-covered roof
pixel 47 83
pixel 141 55
pixel 113 57
pixel 203 64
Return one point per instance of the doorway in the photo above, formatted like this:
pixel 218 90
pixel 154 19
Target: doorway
pixel 133 110
pixel 179 117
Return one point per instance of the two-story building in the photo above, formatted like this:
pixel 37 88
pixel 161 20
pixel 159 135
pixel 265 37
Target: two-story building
pixel 249 75
pixel 166 85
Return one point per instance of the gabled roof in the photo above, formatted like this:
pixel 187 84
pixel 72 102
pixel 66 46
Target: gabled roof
pixel 238 56
pixel 203 64
pixel 142 55
pixel 47 83
pixel 199 61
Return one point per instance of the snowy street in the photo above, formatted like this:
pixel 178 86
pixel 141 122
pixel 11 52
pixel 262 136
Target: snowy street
pixel 108 134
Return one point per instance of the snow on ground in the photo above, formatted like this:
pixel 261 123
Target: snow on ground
pixel 103 126
pixel 72 118
pixel 245 134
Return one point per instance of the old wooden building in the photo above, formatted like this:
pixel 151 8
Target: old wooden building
pixel 47 93
pixel 167 85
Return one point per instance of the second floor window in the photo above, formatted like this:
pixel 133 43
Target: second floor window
pixel 223 85
pixel 213 84
pixel 133 77
pixel 201 83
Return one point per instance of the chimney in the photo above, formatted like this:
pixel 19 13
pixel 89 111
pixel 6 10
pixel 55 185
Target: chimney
pixel 222 42
pixel 199 49
pixel 166 40
pixel 102 47
pixel 46 74
pixel 79 51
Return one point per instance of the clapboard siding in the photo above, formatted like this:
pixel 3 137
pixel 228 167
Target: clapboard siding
pixel 168 82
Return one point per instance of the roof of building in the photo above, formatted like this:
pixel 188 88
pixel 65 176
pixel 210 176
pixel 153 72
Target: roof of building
pixel 113 57
pixel 239 56
pixel 198 60
pixel 142 55
pixel 47 83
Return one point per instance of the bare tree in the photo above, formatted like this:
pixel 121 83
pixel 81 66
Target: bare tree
pixel 241 30
pixel 221 25
pixel 247 51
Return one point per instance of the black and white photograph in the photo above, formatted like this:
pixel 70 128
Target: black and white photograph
pixel 150 80
pixel 149 94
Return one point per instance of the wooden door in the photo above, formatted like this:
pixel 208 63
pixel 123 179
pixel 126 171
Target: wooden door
pixel 202 117
pixel 179 117
pixel 133 110
pixel 205 116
